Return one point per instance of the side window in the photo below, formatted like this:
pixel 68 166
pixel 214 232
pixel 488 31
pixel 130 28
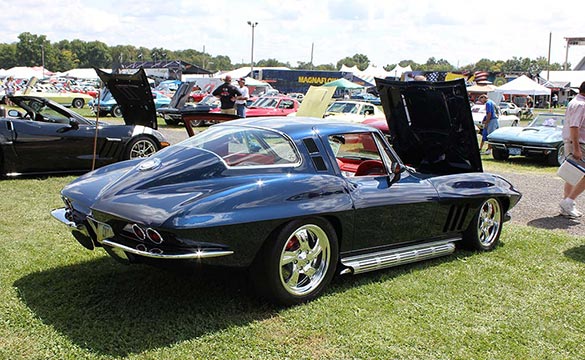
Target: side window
pixel 357 154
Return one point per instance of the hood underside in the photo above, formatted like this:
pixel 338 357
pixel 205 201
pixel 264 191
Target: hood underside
pixel 132 92
pixel 431 125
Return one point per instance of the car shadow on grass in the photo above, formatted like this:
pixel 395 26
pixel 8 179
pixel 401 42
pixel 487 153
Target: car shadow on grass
pixel 576 253
pixel 116 310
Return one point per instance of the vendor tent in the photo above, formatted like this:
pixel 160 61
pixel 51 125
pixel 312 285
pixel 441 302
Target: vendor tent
pixel 481 88
pixel 523 85
pixel 343 84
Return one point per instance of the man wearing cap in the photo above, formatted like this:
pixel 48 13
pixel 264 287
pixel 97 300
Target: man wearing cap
pixel 241 100
pixel 227 95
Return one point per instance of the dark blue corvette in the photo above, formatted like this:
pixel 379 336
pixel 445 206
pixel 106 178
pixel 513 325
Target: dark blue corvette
pixel 297 200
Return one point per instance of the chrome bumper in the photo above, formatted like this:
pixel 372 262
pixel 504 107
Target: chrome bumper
pixel 105 237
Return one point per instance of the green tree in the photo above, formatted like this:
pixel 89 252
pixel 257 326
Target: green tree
pixel 360 60
pixel 97 55
pixel 271 63
pixel 29 49
pixel 7 56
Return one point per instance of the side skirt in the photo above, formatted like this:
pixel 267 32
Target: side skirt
pixel 395 257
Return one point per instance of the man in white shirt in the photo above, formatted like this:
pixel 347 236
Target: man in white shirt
pixel 574 142
pixel 241 100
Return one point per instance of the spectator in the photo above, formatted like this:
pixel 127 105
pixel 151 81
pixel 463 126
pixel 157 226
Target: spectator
pixel 574 142
pixel 227 94
pixel 241 100
pixel 555 100
pixel 490 121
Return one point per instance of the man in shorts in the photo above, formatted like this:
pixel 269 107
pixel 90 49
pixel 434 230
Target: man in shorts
pixel 574 142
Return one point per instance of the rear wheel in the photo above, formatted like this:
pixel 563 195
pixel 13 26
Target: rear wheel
pixel 170 121
pixel 140 147
pixel 117 111
pixel 297 263
pixel 78 103
pixel 500 154
pixel 197 123
pixel 483 233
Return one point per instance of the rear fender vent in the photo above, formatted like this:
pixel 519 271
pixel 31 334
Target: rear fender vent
pixel 311 146
pixel 456 218
pixel 319 163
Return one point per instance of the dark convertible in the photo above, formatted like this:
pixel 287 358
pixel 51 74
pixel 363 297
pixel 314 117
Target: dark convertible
pixel 297 201
pixel 43 137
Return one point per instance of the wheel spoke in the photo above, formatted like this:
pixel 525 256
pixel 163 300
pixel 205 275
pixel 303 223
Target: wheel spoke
pixel 293 280
pixel 288 257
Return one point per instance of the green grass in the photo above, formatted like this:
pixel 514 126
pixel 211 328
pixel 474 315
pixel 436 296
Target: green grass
pixel 525 300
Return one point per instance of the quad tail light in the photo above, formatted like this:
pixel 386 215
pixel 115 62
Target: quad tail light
pixel 150 234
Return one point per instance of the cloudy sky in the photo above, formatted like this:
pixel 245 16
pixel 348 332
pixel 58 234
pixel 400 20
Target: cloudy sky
pixel 387 31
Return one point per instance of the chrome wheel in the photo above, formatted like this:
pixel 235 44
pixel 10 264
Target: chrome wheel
pixel 304 260
pixel 141 147
pixel 489 222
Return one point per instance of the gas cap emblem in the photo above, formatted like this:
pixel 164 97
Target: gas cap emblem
pixel 149 164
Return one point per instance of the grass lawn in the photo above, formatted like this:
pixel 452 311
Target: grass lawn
pixel 525 300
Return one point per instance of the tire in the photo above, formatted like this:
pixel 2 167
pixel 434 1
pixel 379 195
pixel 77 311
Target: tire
pixel 483 233
pixel 197 123
pixel 78 103
pixel 296 264
pixel 170 121
pixel 117 111
pixel 140 147
pixel 556 158
pixel 103 113
pixel 500 154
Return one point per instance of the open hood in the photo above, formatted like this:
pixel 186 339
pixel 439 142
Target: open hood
pixel 181 95
pixel 431 125
pixel 132 93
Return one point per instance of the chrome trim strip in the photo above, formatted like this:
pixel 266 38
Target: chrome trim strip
pixel 200 254
pixel 527 147
pixel 60 213
pixel 113 139
pixel 394 257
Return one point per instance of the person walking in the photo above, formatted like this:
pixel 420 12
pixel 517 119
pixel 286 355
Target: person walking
pixel 241 100
pixel 574 143
pixel 227 95
pixel 490 121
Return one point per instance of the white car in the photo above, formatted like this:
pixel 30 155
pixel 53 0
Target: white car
pixel 509 108
pixel 352 111
pixel 478 114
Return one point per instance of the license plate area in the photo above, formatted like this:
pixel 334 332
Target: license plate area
pixel 514 151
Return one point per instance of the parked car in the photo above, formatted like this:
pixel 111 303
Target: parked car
pixel 353 111
pixel 272 106
pixel 179 108
pixel 43 137
pixel 542 137
pixel 509 108
pixel 366 97
pixel 478 114
pixel 66 98
pixel 107 104
pixel 298 201
pixel 297 96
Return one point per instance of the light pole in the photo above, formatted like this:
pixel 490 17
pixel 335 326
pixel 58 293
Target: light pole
pixel 43 58
pixel 253 24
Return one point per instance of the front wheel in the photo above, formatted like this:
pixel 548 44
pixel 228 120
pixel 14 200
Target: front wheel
pixel 500 154
pixel 140 147
pixel 297 263
pixel 483 233
pixel 556 158
pixel 78 103
pixel 117 111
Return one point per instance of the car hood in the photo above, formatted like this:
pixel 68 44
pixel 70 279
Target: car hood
pixel 431 126
pixel 181 95
pixel 132 92
pixel 535 134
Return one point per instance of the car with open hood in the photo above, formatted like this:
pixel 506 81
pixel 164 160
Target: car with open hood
pixel 297 201
pixel 40 136
pixel 542 138
pixel 180 110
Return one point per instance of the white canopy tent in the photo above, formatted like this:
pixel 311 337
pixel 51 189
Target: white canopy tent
pixel 523 85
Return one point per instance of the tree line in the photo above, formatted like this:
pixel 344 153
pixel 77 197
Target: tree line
pixel 36 50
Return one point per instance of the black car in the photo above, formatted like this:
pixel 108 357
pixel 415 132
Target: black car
pixel 298 201
pixel 43 137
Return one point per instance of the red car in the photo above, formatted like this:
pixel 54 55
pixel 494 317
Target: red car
pixel 271 106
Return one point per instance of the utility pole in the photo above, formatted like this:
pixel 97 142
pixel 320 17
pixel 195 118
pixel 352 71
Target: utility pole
pixel 253 24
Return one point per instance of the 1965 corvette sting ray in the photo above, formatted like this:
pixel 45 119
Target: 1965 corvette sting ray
pixel 298 200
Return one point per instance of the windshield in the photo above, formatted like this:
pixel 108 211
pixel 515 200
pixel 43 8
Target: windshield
pixel 343 107
pixel 550 120
pixel 247 146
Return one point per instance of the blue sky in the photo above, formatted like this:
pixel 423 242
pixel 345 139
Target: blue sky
pixel 461 32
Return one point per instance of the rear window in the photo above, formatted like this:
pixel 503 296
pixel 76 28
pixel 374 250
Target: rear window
pixel 247 146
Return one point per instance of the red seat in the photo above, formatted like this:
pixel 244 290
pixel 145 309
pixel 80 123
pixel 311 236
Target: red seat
pixel 370 167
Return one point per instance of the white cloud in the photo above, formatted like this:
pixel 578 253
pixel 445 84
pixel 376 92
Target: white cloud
pixel 386 31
